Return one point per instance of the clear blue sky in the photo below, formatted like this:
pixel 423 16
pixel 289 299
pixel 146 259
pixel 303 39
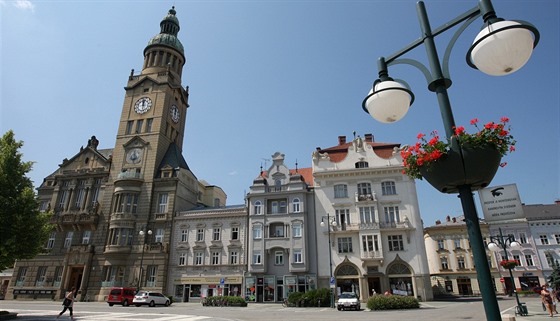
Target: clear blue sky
pixel 269 76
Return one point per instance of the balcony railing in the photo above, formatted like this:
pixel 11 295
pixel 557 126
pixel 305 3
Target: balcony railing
pixel 130 175
pixel 365 197
pixel 372 255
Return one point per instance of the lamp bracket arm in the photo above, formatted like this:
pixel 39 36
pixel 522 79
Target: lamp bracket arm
pixel 447 54
pixel 474 12
pixel 414 63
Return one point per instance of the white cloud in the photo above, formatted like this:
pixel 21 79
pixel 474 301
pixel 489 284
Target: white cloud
pixel 232 173
pixel 24 5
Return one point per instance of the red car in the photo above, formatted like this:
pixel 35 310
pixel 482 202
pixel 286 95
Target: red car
pixel 123 296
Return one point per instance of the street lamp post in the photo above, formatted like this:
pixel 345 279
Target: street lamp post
pixel 329 224
pixel 502 47
pixel 142 233
pixel 503 242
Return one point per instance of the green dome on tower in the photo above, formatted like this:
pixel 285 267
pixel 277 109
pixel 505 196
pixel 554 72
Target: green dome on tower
pixel 168 34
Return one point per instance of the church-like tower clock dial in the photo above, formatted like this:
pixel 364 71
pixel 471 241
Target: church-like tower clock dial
pixel 175 114
pixel 143 105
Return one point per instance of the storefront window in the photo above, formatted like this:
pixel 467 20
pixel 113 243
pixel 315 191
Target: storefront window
pixel 250 289
pixel 195 291
pixel 269 282
pixel 401 286
pixel 290 284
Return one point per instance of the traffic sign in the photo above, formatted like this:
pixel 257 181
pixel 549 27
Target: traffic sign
pixel 222 281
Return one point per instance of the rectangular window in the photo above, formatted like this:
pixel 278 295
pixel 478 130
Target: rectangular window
pixel 216 234
pixel 279 258
pixel 370 243
pixel 257 257
pixel 198 258
pixel 162 202
pixel 529 260
pixel 129 125
pixel 215 258
pixel 441 244
pixel 296 230
pixel 159 235
pixel 364 189
pixel 367 214
pixel 200 235
pixel 340 191
pixel 342 218
pixel 139 123
pixel 444 264
pixel 235 233
pixel 22 273
pixel 50 242
pixel 522 238
pixel 152 275
pixel 62 198
pixel 183 259
pixel 41 276
pixel 80 193
pixel 549 259
pixel 457 243
pixel 461 262
pixel 257 232
pixel 68 239
pixel 395 242
pixel 296 205
pixel 184 235
pixel 233 257
pixel 557 238
pixel 388 188
pixel 544 239
pixel 391 214
pixel 86 236
pixel 277 206
pixel 517 258
pixel 57 276
pixel 344 245
pixel 149 123
pixel 298 257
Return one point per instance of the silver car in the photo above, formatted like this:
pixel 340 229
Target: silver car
pixel 150 298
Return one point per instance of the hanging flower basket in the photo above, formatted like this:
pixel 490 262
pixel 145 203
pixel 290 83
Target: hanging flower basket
pixel 461 166
pixel 464 160
pixel 509 264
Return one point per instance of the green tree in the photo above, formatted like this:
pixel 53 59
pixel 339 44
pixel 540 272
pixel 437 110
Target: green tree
pixel 554 278
pixel 23 228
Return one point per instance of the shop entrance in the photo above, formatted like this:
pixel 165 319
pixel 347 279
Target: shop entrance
pixel 374 285
pixel 464 286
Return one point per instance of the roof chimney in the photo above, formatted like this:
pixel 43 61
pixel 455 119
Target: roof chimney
pixel 341 140
pixel 369 138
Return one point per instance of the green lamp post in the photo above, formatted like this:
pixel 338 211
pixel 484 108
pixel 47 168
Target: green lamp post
pixel 501 48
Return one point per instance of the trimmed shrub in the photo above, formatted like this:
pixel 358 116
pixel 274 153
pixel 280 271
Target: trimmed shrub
pixel 311 298
pixel 393 302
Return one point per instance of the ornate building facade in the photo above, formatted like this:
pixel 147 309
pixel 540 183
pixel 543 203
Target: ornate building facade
pixel 282 246
pixel 105 201
pixel 373 237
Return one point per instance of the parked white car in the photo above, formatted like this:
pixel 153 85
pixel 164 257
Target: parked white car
pixel 150 298
pixel 348 300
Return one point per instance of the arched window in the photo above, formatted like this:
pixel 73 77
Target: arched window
pixel 362 164
pixel 296 205
pixel 258 208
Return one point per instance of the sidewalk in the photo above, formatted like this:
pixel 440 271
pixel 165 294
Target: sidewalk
pixel 534 307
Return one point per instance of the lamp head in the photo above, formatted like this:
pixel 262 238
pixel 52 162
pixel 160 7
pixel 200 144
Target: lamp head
pixel 503 47
pixel 515 245
pixel 333 223
pixel 322 223
pixel 493 247
pixel 388 101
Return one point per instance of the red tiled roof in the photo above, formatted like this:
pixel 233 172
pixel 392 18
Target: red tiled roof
pixel 306 173
pixel 338 153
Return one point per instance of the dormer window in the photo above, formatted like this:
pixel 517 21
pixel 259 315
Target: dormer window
pixel 362 164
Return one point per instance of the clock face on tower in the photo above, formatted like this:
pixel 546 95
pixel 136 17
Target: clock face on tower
pixel 134 156
pixel 174 113
pixel 143 105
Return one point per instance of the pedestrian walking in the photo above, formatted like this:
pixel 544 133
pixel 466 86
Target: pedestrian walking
pixel 68 303
pixel 546 297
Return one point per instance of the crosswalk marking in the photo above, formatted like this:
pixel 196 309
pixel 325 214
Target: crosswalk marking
pixel 116 316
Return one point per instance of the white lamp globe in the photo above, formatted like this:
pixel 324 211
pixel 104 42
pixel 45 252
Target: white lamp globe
pixel 504 51
pixel 515 245
pixel 388 101
pixel 493 247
